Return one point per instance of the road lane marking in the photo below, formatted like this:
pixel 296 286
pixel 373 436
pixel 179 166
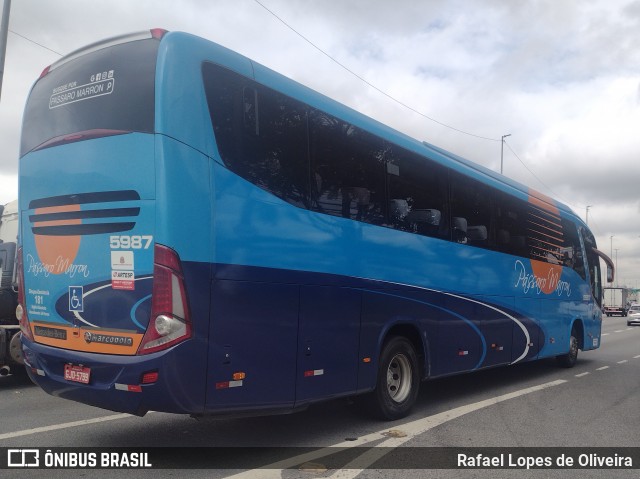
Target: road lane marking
pixel 371 455
pixel 582 374
pixel 602 368
pixel 623 361
pixel 636 357
pixel 66 425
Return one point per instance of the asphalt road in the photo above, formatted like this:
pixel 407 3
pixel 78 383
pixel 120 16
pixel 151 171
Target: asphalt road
pixel 526 407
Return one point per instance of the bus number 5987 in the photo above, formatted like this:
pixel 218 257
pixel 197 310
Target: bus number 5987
pixel 130 242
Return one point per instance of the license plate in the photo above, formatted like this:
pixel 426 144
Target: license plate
pixel 78 374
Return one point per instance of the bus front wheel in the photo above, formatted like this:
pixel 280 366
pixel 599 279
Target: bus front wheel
pixel 569 359
pixel 397 382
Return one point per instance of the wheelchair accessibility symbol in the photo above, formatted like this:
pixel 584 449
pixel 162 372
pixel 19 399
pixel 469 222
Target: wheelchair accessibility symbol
pixel 75 299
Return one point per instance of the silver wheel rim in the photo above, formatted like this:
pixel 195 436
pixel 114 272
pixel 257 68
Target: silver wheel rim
pixel 399 378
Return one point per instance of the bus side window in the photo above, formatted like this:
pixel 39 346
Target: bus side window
pixel 424 221
pixel 477 235
pixel 261 134
pixel 418 191
pixel 510 223
pixel 572 249
pixel 593 262
pixel 459 227
pixel 471 208
pixel 250 110
pixel 348 174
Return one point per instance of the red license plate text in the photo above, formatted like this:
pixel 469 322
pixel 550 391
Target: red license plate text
pixel 78 374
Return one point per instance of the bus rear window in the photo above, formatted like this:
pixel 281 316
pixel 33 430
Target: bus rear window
pixel 110 89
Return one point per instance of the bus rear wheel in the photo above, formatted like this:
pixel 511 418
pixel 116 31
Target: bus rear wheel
pixel 398 380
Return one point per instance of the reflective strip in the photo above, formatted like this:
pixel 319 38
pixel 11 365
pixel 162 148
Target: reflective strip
pixel 134 388
pixel 228 384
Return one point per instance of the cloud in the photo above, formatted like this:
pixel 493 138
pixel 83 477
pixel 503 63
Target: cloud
pixel 597 140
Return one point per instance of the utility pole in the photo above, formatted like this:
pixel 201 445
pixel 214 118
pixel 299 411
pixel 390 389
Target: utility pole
pixel 4 31
pixel 611 256
pixel 502 152
pixel 589 206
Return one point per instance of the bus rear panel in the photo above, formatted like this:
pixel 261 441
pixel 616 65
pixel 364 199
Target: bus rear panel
pixel 104 303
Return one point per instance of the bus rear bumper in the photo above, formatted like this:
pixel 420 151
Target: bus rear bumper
pixel 117 383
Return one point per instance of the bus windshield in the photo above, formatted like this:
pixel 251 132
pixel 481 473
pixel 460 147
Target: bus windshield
pixel 110 91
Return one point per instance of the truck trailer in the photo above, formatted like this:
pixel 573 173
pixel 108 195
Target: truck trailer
pixel 616 301
pixel 10 347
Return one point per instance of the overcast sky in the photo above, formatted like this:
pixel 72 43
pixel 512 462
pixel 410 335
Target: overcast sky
pixel 561 77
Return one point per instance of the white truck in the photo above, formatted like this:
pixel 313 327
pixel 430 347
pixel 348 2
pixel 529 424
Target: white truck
pixel 616 301
pixel 10 347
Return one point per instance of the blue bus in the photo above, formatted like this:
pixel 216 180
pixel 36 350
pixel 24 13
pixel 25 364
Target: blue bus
pixel 202 235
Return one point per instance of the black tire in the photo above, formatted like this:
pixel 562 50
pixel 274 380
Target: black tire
pixel 398 380
pixel 569 359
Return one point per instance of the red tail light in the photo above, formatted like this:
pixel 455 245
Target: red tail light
pixel 170 323
pixel 45 72
pixel 21 310
pixel 158 33
pixel 149 377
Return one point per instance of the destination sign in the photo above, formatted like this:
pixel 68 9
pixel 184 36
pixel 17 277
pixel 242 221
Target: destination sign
pixel 70 93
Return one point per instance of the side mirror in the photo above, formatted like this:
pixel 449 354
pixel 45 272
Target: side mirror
pixel 610 268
